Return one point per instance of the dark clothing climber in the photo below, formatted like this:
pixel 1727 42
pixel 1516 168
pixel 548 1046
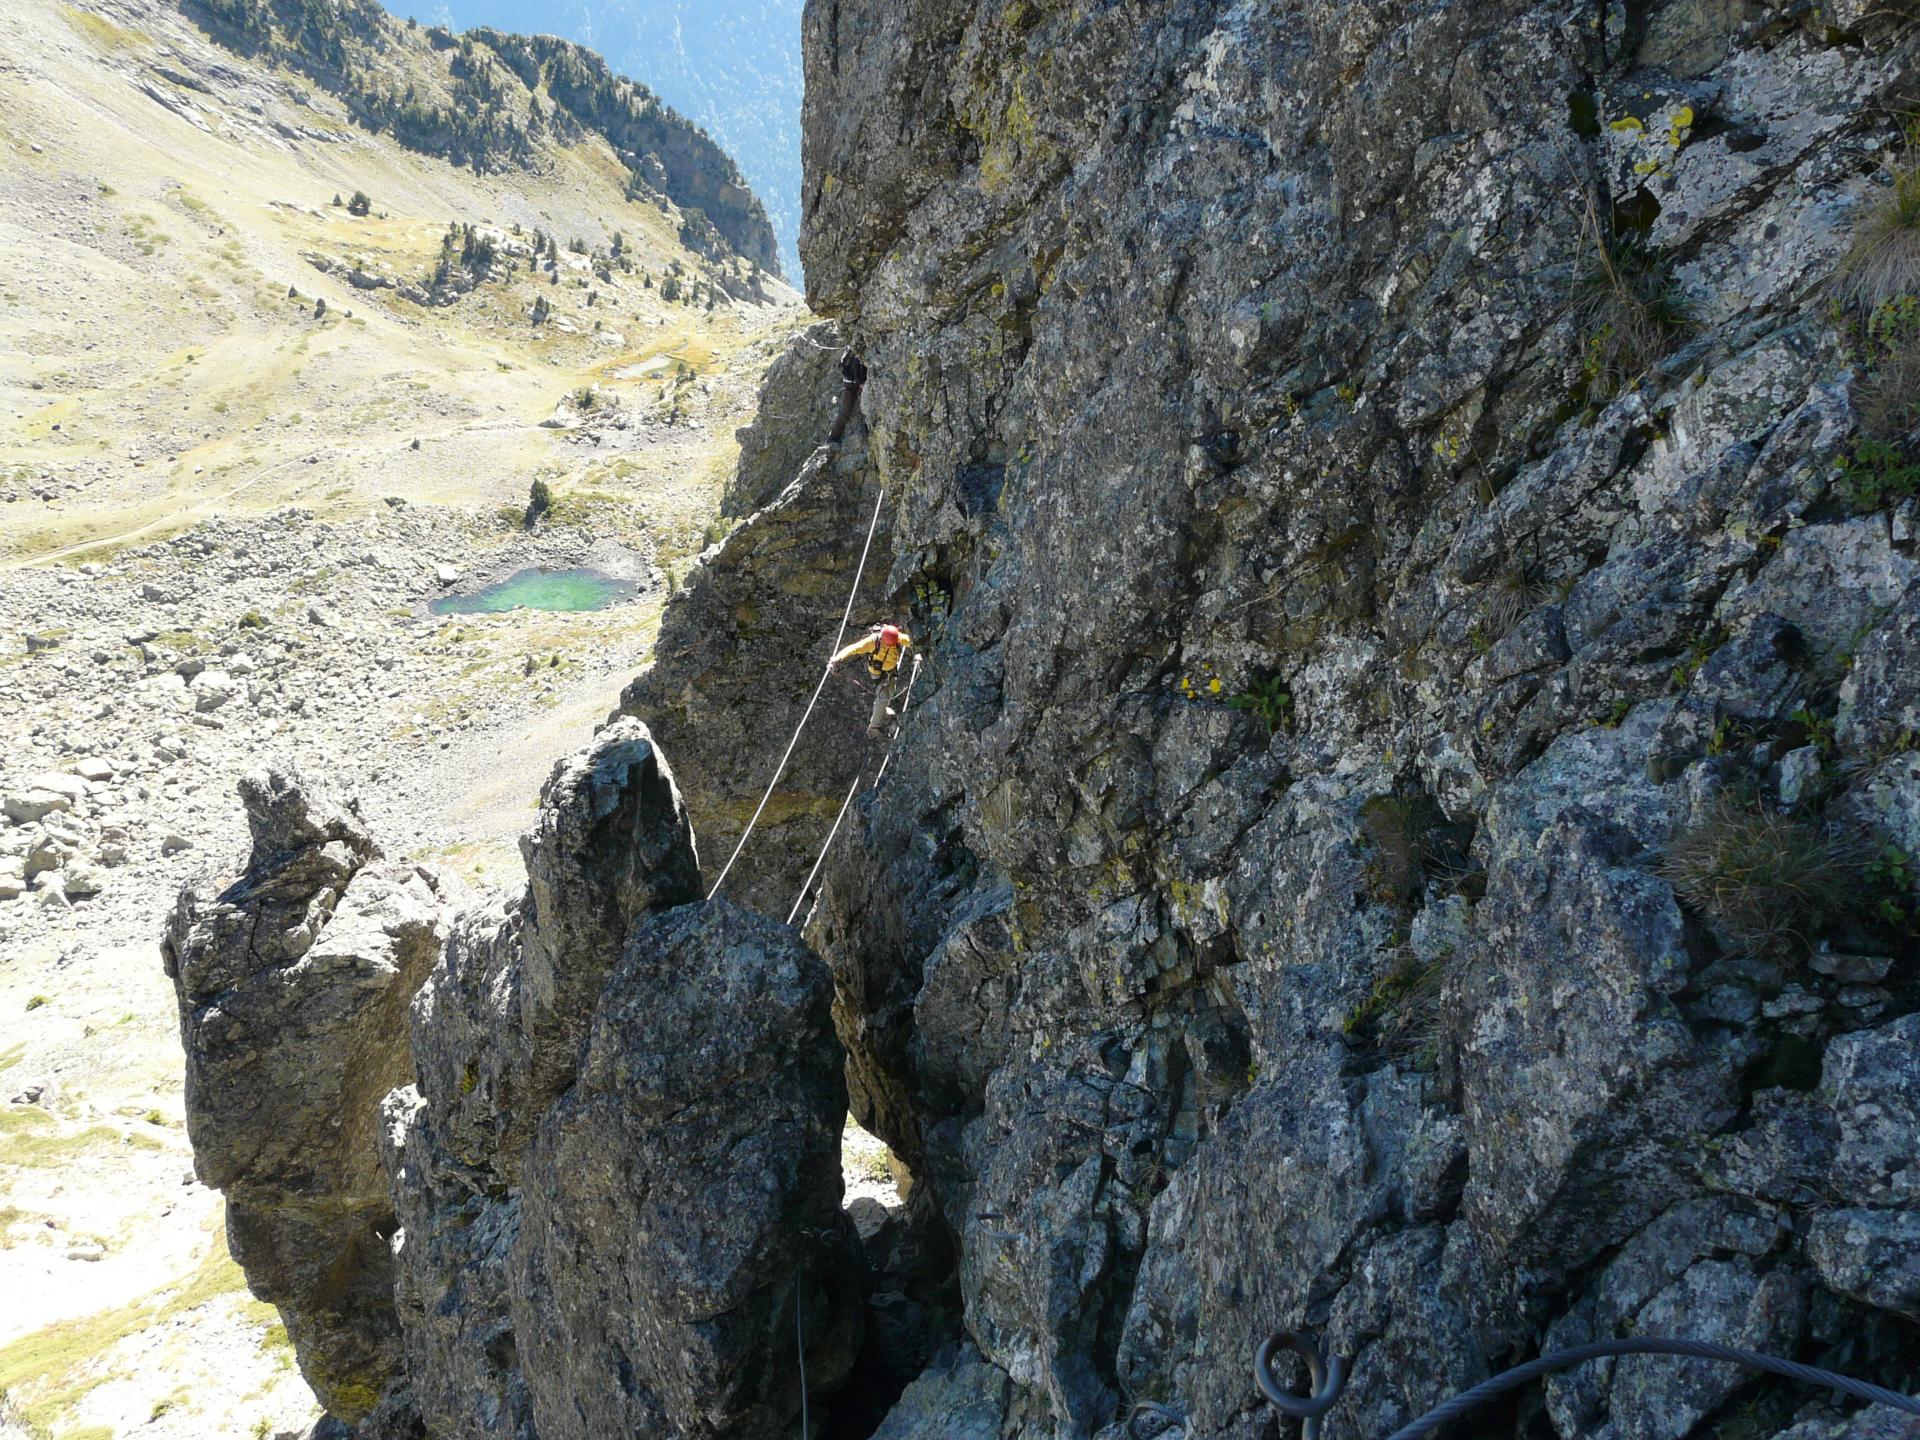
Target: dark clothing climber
pixel 853 379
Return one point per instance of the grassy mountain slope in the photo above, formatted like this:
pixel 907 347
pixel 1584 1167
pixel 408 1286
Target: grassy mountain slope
pixel 490 100
pixel 168 231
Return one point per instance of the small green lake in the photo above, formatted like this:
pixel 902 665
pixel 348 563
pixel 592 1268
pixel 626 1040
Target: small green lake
pixel 580 589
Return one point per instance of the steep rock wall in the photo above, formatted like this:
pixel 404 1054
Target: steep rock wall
pixel 1382 494
pixel 742 645
pixel 1373 482
pixel 621 1141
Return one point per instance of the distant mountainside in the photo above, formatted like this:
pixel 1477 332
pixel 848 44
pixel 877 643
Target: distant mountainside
pixel 308 326
pixel 736 70
pixel 733 69
pixel 488 99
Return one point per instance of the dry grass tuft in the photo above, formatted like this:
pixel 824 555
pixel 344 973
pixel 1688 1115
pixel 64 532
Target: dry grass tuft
pixel 1627 304
pixel 1632 312
pixel 1761 879
pixel 1399 845
pixel 1886 394
pixel 1402 1014
pixel 1884 261
pixel 1516 592
pixel 1887 398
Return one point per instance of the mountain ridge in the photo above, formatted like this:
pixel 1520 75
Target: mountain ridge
pixel 485 108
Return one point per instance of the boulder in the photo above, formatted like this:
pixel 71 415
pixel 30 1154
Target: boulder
pixel 212 689
pixel 43 855
pixel 73 787
pixel 23 807
pixel 457 1224
pixel 80 881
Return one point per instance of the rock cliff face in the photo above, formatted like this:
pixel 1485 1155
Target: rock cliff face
pixel 741 647
pixel 621 1146
pixel 609 1138
pixel 1384 485
pixel 1407 831
pixel 684 1197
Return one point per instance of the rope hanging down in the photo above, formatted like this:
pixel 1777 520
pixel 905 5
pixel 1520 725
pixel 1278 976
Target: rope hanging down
pixel 826 670
pixel 1329 1378
pixel 800 1337
pixel 885 760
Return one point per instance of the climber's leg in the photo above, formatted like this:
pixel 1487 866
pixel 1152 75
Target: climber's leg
pixel 849 407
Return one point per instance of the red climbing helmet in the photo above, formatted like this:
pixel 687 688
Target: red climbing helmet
pixel 890 635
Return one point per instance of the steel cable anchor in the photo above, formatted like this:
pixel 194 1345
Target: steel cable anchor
pixel 1328 1378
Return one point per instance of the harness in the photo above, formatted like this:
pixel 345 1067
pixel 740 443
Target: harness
pixel 882 661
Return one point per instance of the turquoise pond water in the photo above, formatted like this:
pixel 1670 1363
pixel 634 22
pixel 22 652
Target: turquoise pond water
pixel 539 590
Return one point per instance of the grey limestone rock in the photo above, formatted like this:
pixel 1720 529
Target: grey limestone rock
pixel 1269 917
pixel 617 1169
pixel 683 1198
pixel 293 984
pixel 1872 1255
pixel 1871 1079
pixel 496 1033
pixel 740 654
pixel 797 400
pixel 1265 921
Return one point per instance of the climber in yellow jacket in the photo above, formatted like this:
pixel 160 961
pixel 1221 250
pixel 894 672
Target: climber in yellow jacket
pixel 884 646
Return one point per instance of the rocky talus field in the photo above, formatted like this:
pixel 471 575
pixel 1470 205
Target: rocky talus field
pixel 1407 828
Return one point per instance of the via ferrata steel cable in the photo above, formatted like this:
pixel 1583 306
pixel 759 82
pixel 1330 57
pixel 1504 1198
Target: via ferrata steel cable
pixel 1328 1377
pixel 821 859
pixel 814 874
pixel 1651 1345
pixel 826 670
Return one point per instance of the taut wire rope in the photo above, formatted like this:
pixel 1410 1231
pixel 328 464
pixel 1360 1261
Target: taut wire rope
pixel 825 671
pixel 885 760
